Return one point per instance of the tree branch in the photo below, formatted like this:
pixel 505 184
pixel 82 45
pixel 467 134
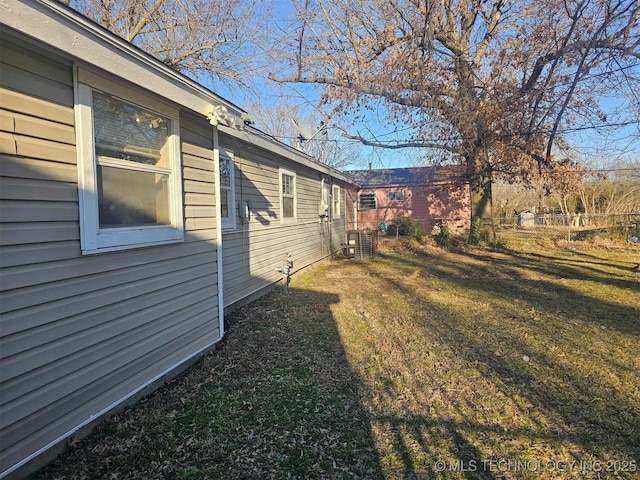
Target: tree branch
pixel 400 145
pixel 143 21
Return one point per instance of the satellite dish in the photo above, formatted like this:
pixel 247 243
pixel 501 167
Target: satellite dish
pixel 303 130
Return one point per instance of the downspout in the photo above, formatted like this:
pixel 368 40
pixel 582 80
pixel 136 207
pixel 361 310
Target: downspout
pixel 322 218
pixel 331 217
pixel 216 161
pixel 355 209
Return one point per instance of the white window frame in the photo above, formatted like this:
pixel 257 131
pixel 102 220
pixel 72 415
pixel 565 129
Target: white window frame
pixel 325 202
pixel 228 223
pixel 282 195
pixel 375 200
pixel 336 200
pixel 94 239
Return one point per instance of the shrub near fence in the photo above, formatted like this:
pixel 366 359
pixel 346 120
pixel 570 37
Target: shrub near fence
pixel 619 227
pixel 575 226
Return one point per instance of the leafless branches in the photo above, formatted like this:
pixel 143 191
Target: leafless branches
pixel 202 38
pixel 499 80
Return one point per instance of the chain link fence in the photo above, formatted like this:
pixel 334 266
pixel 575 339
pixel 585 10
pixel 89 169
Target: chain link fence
pixel 623 227
pixel 575 226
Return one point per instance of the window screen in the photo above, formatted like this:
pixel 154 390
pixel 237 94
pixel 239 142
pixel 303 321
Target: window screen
pixel 367 201
pixel 131 156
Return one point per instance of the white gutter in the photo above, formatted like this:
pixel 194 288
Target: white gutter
pixel 216 160
pixel 260 139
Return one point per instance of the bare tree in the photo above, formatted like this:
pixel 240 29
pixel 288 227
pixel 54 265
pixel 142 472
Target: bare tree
pixel 614 190
pixel 202 38
pixel 495 82
pixel 279 120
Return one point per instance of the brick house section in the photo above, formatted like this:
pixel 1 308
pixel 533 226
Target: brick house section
pixel 428 194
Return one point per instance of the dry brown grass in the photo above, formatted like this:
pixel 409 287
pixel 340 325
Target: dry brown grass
pixel 422 364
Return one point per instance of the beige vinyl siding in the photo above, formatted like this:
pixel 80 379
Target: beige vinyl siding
pixel 198 178
pixel 44 75
pixel 78 334
pixel 253 251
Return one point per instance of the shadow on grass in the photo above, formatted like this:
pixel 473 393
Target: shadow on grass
pixel 277 399
pixel 523 341
pixel 575 265
pixel 586 258
pixel 445 380
pixel 502 278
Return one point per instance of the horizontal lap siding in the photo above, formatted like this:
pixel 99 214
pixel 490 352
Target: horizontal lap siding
pixel 249 263
pixel 253 251
pixel 79 333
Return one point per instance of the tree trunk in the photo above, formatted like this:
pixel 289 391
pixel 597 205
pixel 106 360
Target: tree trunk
pixel 481 202
pixel 479 176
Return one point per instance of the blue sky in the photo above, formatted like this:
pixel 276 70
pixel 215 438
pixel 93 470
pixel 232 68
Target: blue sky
pixel 593 146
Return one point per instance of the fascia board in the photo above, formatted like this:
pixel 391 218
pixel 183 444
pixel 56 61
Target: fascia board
pixel 264 141
pixel 408 185
pixel 60 27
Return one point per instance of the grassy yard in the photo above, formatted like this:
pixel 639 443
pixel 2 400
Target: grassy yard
pixel 520 363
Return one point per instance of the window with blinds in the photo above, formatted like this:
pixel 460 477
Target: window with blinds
pixel 287 195
pixel 132 165
pixel 130 182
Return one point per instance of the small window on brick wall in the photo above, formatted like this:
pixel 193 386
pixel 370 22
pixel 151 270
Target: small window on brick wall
pixel 397 196
pixel 367 201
